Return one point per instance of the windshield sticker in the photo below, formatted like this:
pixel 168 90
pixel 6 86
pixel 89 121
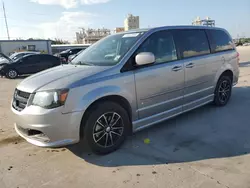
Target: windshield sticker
pixel 130 35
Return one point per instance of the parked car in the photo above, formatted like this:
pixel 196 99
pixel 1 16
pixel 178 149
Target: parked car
pixel 64 55
pixel 124 83
pixel 74 55
pixel 15 56
pixel 28 64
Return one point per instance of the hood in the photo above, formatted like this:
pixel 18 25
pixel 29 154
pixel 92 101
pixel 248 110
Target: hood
pixel 58 77
pixel 4 59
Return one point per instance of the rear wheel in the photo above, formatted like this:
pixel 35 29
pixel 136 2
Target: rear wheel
pixel 106 127
pixel 12 74
pixel 223 91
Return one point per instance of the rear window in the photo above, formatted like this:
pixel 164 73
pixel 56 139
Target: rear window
pixel 221 41
pixel 192 43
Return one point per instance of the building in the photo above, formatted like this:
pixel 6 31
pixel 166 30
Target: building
pixel 205 22
pixel 8 47
pixel 90 36
pixel 119 29
pixel 131 22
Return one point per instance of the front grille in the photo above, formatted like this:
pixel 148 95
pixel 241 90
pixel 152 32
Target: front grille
pixel 20 100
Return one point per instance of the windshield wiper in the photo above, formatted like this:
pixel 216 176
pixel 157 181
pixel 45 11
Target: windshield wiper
pixel 83 63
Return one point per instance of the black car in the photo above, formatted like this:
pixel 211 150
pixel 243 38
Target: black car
pixel 64 55
pixel 28 65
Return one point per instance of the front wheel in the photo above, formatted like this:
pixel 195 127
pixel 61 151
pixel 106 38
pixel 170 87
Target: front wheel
pixel 106 127
pixel 223 91
pixel 12 74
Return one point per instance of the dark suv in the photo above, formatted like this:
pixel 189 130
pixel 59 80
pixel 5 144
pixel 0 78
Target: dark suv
pixel 64 55
pixel 28 65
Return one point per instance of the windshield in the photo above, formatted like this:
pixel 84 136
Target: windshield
pixel 108 51
pixel 14 55
pixel 17 56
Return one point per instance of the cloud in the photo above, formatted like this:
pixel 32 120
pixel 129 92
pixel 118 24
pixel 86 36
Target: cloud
pixel 69 3
pixel 89 2
pixel 64 3
pixel 67 25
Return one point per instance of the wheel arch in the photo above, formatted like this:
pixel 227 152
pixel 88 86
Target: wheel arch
pixel 227 72
pixel 123 102
pixel 225 69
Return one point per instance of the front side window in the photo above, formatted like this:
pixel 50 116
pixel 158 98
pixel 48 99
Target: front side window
pixel 108 51
pixel 222 41
pixel 192 43
pixel 161 44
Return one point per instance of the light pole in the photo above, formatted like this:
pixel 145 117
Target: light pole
pixel 6 23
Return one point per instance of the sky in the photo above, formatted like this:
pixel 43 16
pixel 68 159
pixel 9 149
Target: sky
pixel 62 18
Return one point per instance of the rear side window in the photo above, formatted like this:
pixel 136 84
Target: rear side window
pixel 192 43
pixel 221 41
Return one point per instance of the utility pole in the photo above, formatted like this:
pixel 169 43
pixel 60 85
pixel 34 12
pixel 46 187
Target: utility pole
pixel 6 23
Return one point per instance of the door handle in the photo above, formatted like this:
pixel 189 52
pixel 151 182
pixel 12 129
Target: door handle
pixel 176 68
pixel 190 65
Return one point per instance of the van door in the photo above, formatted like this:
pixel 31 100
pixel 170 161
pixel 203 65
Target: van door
pixel 198 65
pixel 159 86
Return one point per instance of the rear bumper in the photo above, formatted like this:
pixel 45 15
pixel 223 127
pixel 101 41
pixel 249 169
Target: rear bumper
pixel 236 77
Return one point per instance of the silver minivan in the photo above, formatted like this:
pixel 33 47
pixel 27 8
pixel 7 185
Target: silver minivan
pixel 124 83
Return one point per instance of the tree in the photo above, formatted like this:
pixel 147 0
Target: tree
pixel 244 40
pixel 59 41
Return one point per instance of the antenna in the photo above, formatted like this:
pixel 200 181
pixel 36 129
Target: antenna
pixel 6 23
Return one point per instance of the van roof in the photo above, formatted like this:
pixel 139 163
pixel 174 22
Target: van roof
pixel 171 27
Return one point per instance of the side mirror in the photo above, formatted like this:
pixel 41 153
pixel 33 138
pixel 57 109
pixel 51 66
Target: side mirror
pixel 144 58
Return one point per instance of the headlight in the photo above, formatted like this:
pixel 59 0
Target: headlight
pixel 50 99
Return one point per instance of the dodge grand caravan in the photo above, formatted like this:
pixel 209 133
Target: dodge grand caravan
pixel 124 83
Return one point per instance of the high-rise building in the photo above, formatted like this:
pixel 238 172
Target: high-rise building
pixel 205 22
pixel 131 22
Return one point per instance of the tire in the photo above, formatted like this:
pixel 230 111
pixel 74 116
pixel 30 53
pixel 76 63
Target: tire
pixel 11 73
pixel 106 135
pixel 223 91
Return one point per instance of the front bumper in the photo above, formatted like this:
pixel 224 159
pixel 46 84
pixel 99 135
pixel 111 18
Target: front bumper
pixel 48 128
pixel 2 73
